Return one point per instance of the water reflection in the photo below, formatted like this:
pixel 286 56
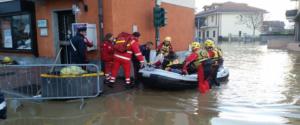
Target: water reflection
pixel 263 89
pixel 260 91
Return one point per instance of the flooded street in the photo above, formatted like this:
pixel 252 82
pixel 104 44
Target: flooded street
pixel 263 89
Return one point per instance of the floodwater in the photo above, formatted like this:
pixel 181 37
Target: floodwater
pixel 263 89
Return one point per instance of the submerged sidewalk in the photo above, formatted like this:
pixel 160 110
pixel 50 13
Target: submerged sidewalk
pixel 284 43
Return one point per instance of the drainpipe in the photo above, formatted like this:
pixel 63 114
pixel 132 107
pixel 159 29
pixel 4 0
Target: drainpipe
pixel 217 23
pixel 101 26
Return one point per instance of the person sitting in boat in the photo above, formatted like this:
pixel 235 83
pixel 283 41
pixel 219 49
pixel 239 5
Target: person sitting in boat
pixel 196 62
pixel 215 54
pixel 171 63
pixel 158 60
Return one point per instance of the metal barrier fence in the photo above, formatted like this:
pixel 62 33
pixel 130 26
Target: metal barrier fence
pixel 42 82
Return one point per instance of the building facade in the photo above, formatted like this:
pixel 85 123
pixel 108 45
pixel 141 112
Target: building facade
pixel 293 15
pixel 273 27
pixel 223 20
pixel 45 27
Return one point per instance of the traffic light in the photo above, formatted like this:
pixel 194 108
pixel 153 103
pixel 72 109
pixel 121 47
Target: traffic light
pixel 163 17
pixel 160 19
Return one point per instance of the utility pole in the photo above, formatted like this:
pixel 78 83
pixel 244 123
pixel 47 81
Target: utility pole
pixel 157 35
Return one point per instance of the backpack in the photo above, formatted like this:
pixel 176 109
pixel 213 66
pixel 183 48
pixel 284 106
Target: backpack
pixel 122 42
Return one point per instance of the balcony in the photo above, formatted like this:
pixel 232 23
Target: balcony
pixel 291 14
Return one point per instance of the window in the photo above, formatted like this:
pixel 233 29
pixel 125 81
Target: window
pixel 214 33
pixel 207 34
pixel 15 32
pixel 240 33
pixel 212 18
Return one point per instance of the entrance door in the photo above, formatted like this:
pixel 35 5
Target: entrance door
pixel 65 20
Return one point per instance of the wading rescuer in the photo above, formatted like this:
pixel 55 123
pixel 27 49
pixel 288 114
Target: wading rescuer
pixel 145 50
pixel 196 62
pixel 216 56
pixel 165 47
pixel 126 45
pixel 107 53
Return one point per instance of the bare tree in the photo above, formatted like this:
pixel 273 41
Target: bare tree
pixel 252 20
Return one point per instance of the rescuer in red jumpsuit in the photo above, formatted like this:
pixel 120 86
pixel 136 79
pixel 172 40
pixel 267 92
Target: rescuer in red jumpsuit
pixel 165 47
pixel 122 56
pixel 195 63
pixel 215 54
pixel 107 53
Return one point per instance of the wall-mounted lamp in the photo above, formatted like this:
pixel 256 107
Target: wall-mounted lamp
pixel 75 9
pixel 76 6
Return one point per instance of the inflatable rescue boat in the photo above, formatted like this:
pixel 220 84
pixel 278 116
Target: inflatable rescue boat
pixel 162 79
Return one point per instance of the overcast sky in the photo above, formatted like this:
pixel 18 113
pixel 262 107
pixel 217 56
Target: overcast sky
pixel 276 8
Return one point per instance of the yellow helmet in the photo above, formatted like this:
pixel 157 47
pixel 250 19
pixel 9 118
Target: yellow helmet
pixel 209 43
pixel 168 38
pixel 7 60
pixel 196 45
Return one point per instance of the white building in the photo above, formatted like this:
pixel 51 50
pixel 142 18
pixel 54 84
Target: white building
pixel 293 15
pixel 221 20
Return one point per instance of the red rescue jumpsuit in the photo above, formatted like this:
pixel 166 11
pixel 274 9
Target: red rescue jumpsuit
pixel 107 53
pixel 124 59
pixel 203 84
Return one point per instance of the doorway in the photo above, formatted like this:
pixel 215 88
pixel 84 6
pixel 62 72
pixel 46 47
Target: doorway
pixel 64 34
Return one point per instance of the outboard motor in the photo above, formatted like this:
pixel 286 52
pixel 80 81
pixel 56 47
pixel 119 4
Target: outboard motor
pixel 2 106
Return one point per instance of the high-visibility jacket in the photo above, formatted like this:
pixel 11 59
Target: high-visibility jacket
pixel 164 48
pixel 201 56
pixel 123 58
pixel 107 51
pixel 196 58
pixel 132 48
pixel 218 52
pixel 215 53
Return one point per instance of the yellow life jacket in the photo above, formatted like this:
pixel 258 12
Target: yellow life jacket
pixel 165 49
pixel 218 53
pixel 202 56
pixel 174 62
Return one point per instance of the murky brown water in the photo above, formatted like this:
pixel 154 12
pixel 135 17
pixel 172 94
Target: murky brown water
pixel 264 89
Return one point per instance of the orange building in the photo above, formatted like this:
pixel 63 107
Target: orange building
pixel 46 28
